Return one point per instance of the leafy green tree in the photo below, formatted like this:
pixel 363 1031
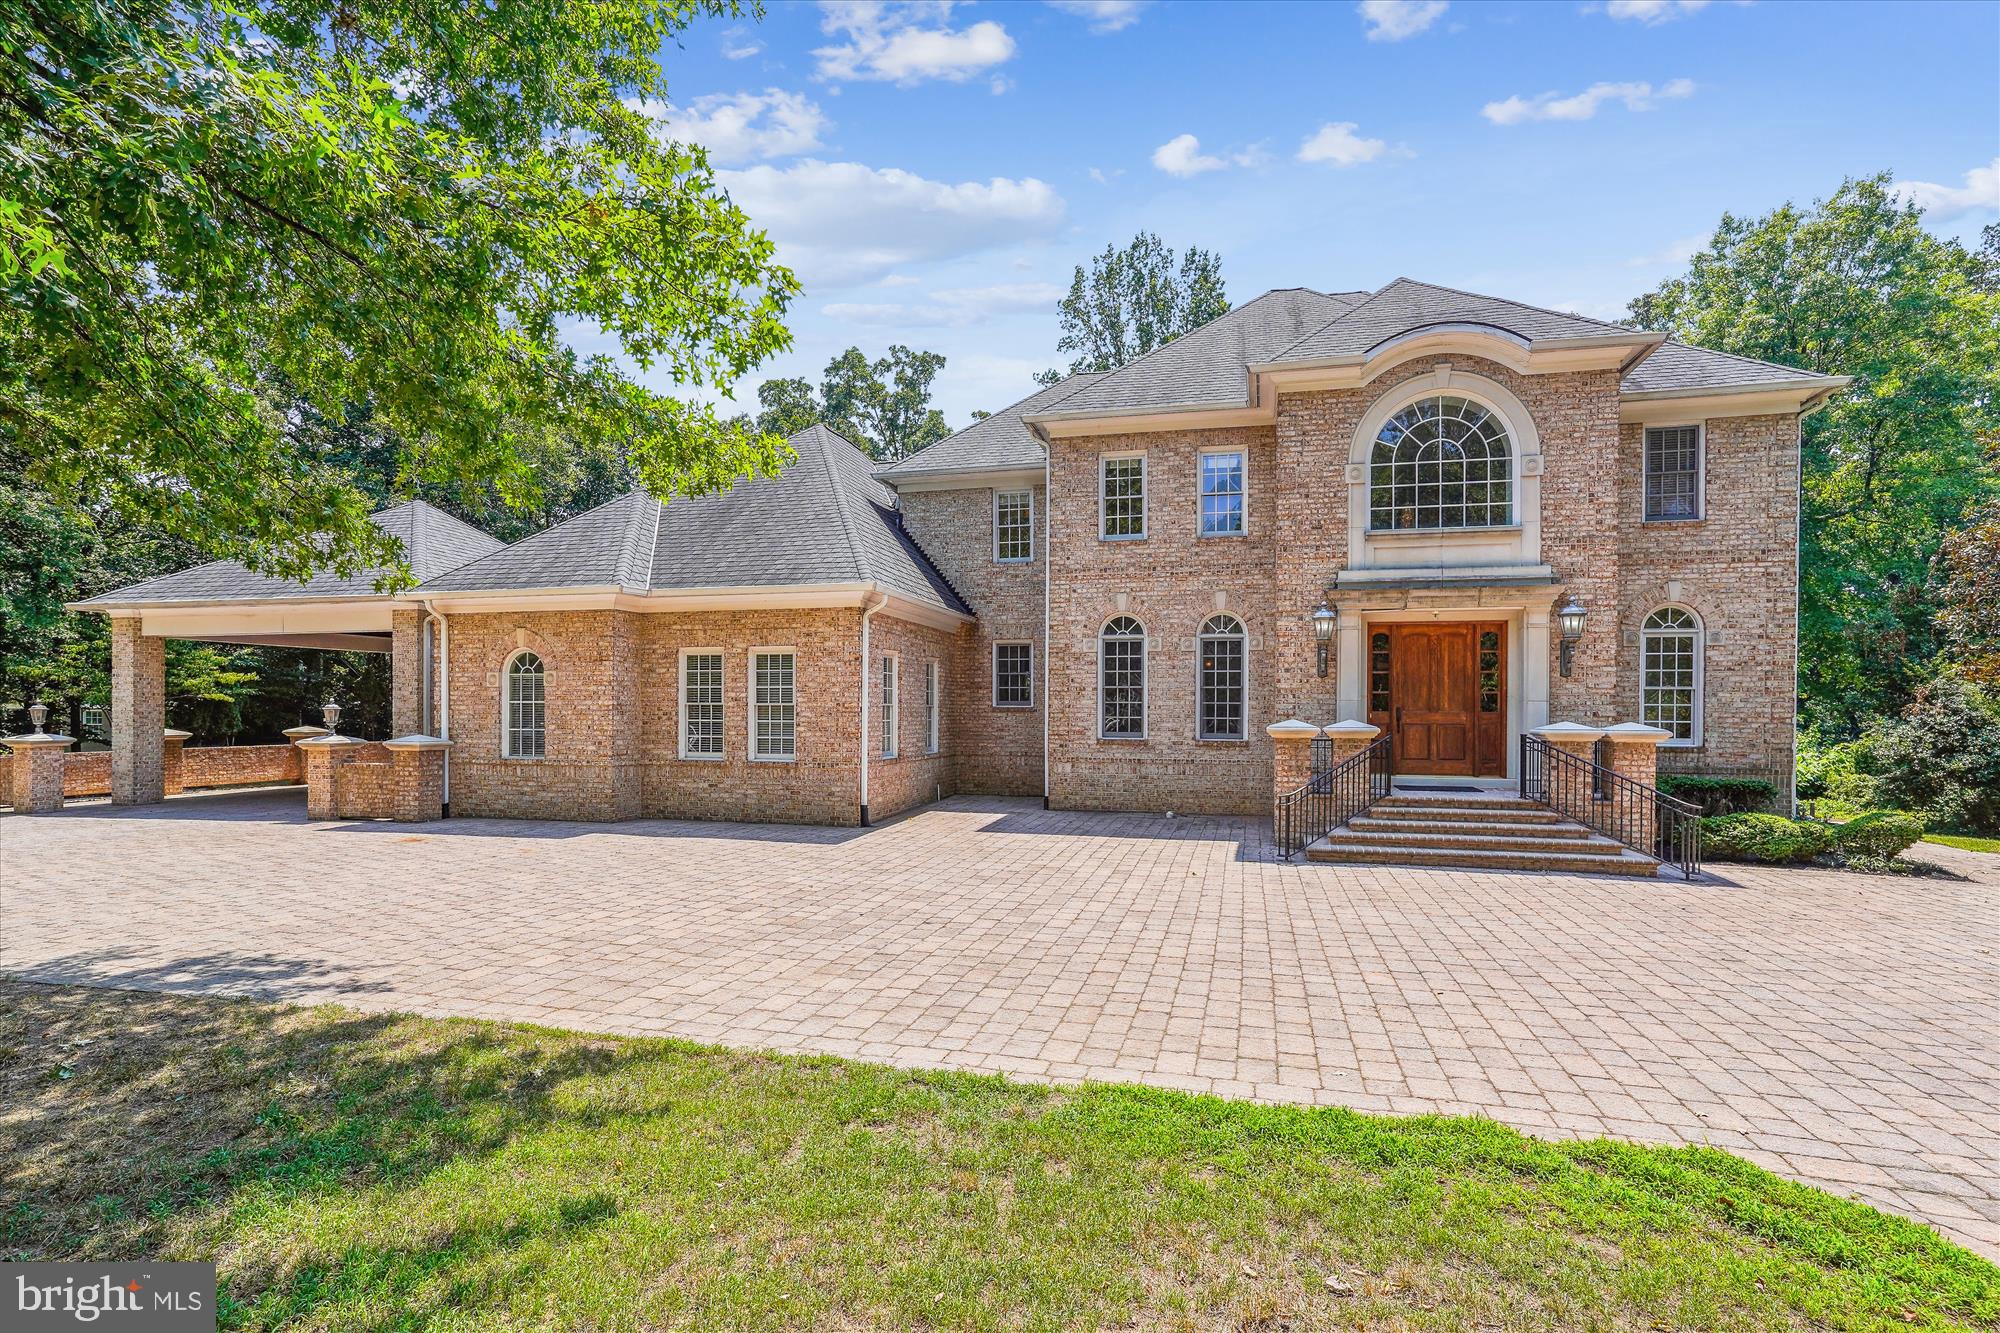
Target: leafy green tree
pixel 788 406
pixel 882 405
pixel 1967 581
pixel 208 210
pixel 1855 286
pixel 1135 299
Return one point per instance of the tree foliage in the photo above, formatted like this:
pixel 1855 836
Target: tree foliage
pixel 1968 592
pixel 1133 300
pixel 217 219
pixel 1856 286
pixel 882 405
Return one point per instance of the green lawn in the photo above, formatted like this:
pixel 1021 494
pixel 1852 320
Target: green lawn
pixel 1966 843
pixel 355 1172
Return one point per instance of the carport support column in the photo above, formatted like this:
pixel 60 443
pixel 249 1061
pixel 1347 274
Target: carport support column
pixel 138 714
pixel 406 671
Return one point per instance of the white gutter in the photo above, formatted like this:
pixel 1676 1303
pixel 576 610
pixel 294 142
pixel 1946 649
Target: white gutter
pixel 1048 564
pixel 867 613
pixel 444 690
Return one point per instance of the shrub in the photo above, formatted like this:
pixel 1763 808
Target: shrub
pixel 1942 756
pixel 1833 771
pixel 1881 834
pixel 1721 796
pixel 1755 837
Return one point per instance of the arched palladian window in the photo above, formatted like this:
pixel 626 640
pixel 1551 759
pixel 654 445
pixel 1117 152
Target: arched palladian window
pixel 1220 703
pixel 1670 651
pixel 524 728
pixel 1441 462
pixel 1121 680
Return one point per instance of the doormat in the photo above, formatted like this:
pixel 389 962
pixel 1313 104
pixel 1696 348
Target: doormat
pixel 1429 787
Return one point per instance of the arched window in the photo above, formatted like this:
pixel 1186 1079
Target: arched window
pixel 1670 651
pixel 1121 680
pixel 524 728
pixel 1220 694
pixel 1441 462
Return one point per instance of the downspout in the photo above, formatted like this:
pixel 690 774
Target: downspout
pixel 867 614
pixel 443 731
pixel 1048 568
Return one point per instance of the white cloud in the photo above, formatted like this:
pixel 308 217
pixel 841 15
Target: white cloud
pixel 737 44
pixel 898 280
pixel 1393 20
pixel 841 223
pixel 1336 142
pixel 1182 156
pixel 743 127
pixel 907 43
pixel 1583 105
pixel 1673 254
pixel 955 307
pixel 1943 202
pixel 1103 177
pixel 1652 11
pixel 1104 15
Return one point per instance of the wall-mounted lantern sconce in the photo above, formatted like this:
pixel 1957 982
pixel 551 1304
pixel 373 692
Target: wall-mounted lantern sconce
pixel 1324 619
pixel 1569 619
pixel 331 712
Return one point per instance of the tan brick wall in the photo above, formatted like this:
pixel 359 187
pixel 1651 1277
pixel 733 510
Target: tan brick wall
pixel 913 776
pixel 996 751
pixel 364 790
pixel 138 714
pixel 1737 569
pixel 240 765
pixel 1172 581
pixel 406 672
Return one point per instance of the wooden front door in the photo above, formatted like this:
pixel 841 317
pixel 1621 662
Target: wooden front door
pixel 1440 690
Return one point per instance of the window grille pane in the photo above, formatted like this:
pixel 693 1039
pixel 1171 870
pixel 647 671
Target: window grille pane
pixel 1124 497
pixel 1378 673
pixel 1222 495
pixel 527 711
pixel 1443 462
pixel 1673 472
pixel 1014 525
pixel 1122 680
pixel 1013 675
pixel 889 717
pixel 775 731
pixel 701 704
pixel 1489 671
pixel 932 707
pixel 1222 711
pixel 1667 679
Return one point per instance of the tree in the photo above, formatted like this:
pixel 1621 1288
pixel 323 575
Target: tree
pixel 1133 300
pixel 882 405
pixel 1856 286
pixel 209 213
pixel 1968 595
pixel 789 406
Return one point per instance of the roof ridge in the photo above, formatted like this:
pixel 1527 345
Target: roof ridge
pixel 1508 300
pixel 505 547
pixel 1155 350
pixel 840 494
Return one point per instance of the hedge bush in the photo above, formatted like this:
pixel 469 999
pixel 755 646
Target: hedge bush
pixel 1757 837
pixel 1881 834
pixel 1721 796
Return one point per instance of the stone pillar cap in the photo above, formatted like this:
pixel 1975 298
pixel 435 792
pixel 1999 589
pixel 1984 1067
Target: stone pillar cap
pixel 174 734
pixel 28 740
pixel 1291 729
pixel 326 740
pixel 298 734
pixel 1635 732
pixel 1568 731
pixel 417 741
pixel 1353 729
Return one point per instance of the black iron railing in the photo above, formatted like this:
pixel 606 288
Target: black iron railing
pixel 1643 818
pixel 1334 794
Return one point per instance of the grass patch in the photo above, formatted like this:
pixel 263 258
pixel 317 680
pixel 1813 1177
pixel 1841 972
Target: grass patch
pixel 359 1172
pixel 1964 843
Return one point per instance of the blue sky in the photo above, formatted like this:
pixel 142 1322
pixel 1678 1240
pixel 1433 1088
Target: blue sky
pixel 935 171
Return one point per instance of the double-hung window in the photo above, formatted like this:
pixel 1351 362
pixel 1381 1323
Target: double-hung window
pixel 773 705
pixel 1013 675
pixel 1670 652
pixel 526 734
pixel 1121 503
pixel 1221 712
pixel 1013 526
pixel 891 713
pixel 1673 473
pixel 933 705
pixel 1222 493
pixel 1121 680
pixel 701 705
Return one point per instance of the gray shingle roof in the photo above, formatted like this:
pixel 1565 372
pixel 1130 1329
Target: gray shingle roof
pixel 1405 305
pixel 999 442
pixel 1678 365
pixel 823 519
pixel 433 543
pixel 1208 366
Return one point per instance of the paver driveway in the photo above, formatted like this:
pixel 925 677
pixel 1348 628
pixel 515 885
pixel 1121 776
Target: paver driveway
pixel 1838 1028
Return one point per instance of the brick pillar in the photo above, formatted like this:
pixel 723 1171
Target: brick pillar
pixel 295 769
pixel 1351 738
pixel 324 756
pixel 1291 765
pixel 171 741
pixel 406 672
pixel 138 714
pixel 35 776
pixel 1569 792
pixel 418 778
pixel 1635 752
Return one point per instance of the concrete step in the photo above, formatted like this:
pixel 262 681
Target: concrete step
pixel 1395 821
pixel 1497 800
pixel 1506 837
pixel 1468 814
pixel 1624 862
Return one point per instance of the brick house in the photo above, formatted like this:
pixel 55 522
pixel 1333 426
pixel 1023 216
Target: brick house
pixel 1351 506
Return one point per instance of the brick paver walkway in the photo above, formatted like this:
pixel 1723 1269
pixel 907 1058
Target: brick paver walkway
pixel 1838 1028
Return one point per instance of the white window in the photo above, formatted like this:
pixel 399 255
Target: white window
pixel 1222 493
pixel 701 703
pixel 1441 462
pixel 1121 498
pixel 891 709
pixel 1013 526
pixel 1670 651
pixel 524 733
pixel 773 705
pixel 1121 680
pixel 1673 473
pixel 1219 696
pixel 1013 675
pixel 933 703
